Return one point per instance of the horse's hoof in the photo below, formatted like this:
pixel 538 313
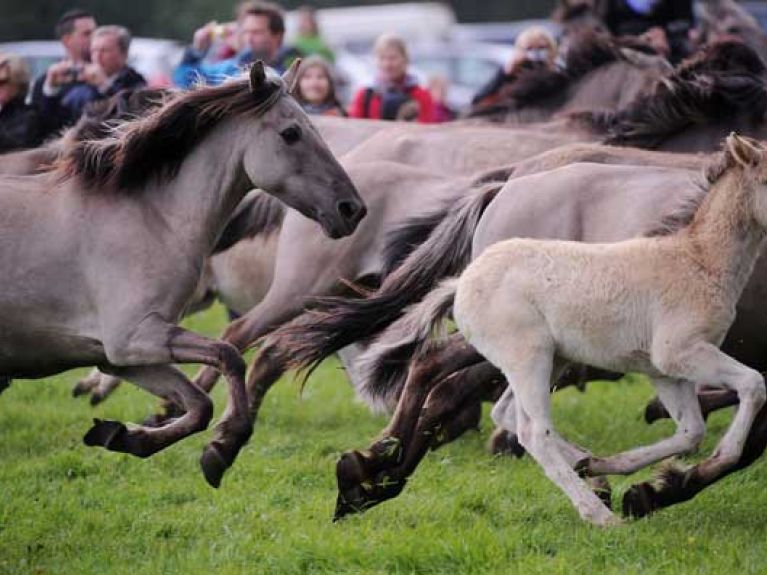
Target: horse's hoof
pixel 504 443
pixel 111 435
pixel 655 411
pixel 638 501
pixel 80 389
pixel 359 498
pixel 214 464
pixel 601 488
pixel 97 398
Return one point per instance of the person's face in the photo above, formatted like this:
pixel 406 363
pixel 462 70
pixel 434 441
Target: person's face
pixel 106 53
pixel 8 90
pixel 314 85
pixel 78 42
pixel 392 64
pixel 537 50
pixel 306 24
pixel 255 34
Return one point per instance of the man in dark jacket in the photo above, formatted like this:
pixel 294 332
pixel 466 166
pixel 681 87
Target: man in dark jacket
pixel 74 30
pixel 19 123
pixel 107 74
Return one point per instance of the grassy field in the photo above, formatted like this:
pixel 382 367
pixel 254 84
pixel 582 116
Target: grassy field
pixel 66 508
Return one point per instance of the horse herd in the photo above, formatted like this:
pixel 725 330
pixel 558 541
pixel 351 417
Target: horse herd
pixel 642 239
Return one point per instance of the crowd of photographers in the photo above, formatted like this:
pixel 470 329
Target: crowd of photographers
pixel 96 65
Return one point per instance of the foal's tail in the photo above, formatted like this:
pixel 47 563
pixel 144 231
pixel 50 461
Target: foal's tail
pixel 384 364
pixel 257 214
pixel 338 322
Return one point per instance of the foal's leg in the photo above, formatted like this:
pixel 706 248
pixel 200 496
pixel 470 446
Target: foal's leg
pixel 680 399
pixel 155 341
pixel 528 367
pixel 679 485
pixel 741 441
pixel 162 381
pixel 710 400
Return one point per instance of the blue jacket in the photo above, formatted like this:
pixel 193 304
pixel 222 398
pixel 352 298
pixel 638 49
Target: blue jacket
pixel 192 66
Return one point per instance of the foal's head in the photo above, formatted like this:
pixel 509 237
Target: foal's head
pixel 749 157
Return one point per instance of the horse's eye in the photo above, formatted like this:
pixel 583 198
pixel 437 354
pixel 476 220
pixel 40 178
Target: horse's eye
pixel 291 135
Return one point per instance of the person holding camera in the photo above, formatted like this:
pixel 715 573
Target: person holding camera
pixel 534 48
pixel 19 123
pixel 74 30
pixel 70 87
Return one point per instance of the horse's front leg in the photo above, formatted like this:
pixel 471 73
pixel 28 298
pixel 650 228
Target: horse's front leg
pixel 681 401
pixel 155 342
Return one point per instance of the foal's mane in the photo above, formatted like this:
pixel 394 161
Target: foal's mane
pixel 154 146
pixel 683 213
pixel 724 80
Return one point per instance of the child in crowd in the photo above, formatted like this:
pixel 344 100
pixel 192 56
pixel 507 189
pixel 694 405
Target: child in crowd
pixel 315 89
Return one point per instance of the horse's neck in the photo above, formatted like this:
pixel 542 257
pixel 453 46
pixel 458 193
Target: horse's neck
pixel 724 235
pixel 210 183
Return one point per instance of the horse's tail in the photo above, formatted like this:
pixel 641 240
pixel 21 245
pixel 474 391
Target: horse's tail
pixel 337 322
pixel 257 214
pixel 384 364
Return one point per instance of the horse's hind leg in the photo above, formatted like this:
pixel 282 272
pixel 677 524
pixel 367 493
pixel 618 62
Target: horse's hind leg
pixel 106 386
pixel 681 401
pixel 163 381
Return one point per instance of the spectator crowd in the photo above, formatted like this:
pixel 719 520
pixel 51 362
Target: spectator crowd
pixel 96 67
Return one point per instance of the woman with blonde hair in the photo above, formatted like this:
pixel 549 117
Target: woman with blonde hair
pixel 315 88
pixel 535 48
pixel 395 95
pixel 19 123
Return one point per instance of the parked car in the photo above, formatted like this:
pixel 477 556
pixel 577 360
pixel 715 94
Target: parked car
pixel 154 58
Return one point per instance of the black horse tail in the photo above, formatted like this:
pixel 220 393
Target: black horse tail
pixel 257 214
pixel 336 322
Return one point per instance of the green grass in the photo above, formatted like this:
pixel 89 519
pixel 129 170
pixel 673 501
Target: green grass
pixel 66 508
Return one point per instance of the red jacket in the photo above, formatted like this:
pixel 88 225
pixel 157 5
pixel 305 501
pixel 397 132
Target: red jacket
pixel 373 112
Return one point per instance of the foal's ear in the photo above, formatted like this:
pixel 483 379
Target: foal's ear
pixel 745 151
pixel 291 75
pixel 257 76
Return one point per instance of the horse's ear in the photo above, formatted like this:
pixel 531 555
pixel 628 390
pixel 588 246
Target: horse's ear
pixel 257 76
pixel 744 151
pixel 291 75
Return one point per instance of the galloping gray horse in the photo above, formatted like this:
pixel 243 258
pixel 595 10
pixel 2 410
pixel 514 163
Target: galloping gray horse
pixel 153 200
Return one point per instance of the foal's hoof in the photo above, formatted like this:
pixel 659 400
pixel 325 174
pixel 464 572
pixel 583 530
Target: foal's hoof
pixel 655 411
pixel 504 442
pixel 81 388
pixel 639 501
pixel 601 488
pixel 111 435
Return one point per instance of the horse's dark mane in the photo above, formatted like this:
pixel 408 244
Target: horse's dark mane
pixel 722 81
pixel 155 146
pixel 256 215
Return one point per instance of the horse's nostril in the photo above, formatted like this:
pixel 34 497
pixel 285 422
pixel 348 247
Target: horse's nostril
pixel 347 209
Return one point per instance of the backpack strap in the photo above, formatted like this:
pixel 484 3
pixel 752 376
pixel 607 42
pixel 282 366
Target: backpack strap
pixel 367 99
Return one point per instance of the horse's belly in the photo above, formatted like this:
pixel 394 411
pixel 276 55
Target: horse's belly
pixel 32 354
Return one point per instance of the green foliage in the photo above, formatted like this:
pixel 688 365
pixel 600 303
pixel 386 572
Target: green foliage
pixel 66 508
pixel 24 20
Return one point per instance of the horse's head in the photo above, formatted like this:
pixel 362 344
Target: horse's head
pixel 288 159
